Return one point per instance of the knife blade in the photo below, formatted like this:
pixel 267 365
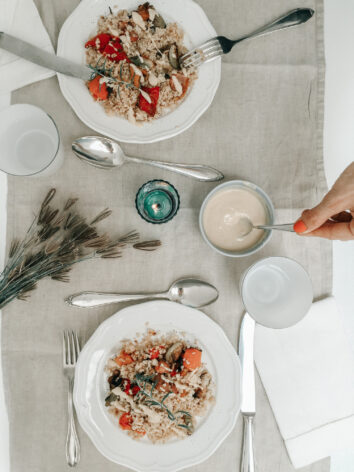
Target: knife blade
pixel 43 58
pixel 248 391
pixel 246 343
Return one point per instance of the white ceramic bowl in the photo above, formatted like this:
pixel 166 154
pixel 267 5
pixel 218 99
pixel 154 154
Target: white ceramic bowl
pixel 82 24
pixel 91 388
pixel 239 184
pixel 276 292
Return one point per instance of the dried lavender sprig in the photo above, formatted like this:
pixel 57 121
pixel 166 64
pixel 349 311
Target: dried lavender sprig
pixel 44 206
pixel 22 245
pixel 56 240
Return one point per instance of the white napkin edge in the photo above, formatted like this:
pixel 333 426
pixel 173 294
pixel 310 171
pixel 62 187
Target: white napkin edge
pixel 21 73
pixel 16 72
pixel 321 442
pixel 324 440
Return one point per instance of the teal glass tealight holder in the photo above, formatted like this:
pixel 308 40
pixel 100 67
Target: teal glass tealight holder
pixel 157 201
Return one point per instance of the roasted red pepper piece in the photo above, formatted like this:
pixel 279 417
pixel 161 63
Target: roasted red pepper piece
pixel 149 108
pixel 135 389
pixel 114 51
pixel 125 421
pixel 155 352
pixel 129 389
pixel 126 386
pixel 101 40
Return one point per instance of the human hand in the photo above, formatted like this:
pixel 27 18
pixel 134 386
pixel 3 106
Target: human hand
pixel 333 217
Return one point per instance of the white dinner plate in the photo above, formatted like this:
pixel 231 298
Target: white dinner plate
pixel 82 24
pixel 91 388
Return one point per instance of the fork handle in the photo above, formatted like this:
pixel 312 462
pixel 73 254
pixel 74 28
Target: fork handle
pixel 72 441
pixel 292 18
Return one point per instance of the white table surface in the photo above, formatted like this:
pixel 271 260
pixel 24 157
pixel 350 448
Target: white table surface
pixel 338 153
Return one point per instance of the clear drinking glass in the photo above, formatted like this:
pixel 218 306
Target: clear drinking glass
pixel 29 141
pixel 276 292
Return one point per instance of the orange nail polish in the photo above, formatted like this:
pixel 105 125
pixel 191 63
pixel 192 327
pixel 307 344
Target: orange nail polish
pixel 300 227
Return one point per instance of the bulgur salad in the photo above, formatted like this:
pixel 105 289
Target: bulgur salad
pixel 135 62
pixel 158 385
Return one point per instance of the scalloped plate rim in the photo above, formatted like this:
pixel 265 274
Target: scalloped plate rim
pixel 132 136
pixel 84 420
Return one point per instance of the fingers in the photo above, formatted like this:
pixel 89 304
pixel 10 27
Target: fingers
pixel 338 199
pixel 314 218
pixel 342 217
pixel 335 231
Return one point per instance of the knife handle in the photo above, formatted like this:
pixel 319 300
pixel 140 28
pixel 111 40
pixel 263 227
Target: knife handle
pixel 247 461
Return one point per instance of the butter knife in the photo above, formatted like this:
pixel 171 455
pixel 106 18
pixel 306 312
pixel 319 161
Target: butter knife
pixel 43 58
pixel 248 391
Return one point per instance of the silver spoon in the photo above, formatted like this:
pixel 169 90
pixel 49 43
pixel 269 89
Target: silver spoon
pixel 246 226
pixel 107 154
pixel 191 292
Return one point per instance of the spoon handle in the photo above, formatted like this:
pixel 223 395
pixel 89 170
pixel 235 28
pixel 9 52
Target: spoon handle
pixel 285 227
pixel 92 299
pixel 199 172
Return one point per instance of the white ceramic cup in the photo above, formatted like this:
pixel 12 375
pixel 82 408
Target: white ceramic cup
pixel 276 292
pixel 29 141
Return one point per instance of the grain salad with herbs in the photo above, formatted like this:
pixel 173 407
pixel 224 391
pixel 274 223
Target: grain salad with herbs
pixel 158 386
pixel 135 64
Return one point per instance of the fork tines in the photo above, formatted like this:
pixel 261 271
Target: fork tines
pixel 204 53
pixel 71 348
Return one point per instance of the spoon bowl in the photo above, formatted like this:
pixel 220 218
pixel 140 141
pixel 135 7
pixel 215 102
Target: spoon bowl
pixel 99 152
pixel 193 292
pixel 247 226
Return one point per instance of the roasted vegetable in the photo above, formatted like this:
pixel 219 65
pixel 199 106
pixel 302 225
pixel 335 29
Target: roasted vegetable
pixel 143 10
pixel 98 91
pixel 115 380
pixel 111 398
pixel 174 352
pixel 149 108
pixel 173 57
pixel 155 352
pixel 123 359
pixel 114 51
pixel 125 421
pixel 137 61
pixel 192 358
pixel 180 81
pixel 159 22
pixel 99 42
pixel 163 368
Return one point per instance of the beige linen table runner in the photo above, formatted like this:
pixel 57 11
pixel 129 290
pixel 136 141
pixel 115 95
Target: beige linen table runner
pixel 265 125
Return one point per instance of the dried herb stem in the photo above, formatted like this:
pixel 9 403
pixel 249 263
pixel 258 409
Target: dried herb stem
pixel 55 241
pixel 142 381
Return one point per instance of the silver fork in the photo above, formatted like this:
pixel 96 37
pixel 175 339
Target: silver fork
pixel 71 351
pixel 220 45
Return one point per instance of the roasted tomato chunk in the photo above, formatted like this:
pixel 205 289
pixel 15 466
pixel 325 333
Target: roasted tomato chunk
pixel 149 108
pixel 98 91
pixel 114 51
pixel 99 42
pixel 125 421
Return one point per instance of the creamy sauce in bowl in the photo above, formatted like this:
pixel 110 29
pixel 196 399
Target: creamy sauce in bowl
pixel 227 215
